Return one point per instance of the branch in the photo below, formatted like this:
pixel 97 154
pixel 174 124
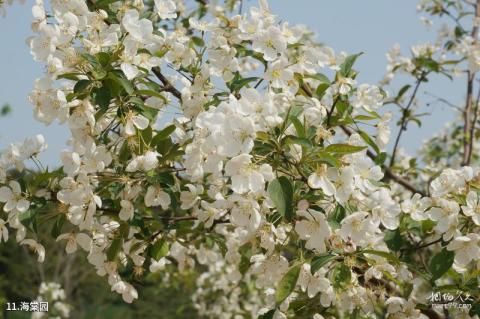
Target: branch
pixel 472 128
pixel 388 172
pixel 166 83
pixel 468 127
pixel 404 122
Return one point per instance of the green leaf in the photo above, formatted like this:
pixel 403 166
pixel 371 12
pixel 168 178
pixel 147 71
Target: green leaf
pixel 151 93
pixel 388 256
pixel 393 239
pixel 198 41
pixel 68 76
pixel 103 58
pixel 369 141
pixel 341 276
pixel 344 148
pixel 428 63
pixel 102 97
pixel 320 261
pixel 159 249
pixel 163 134
pixel 57 226
pixel 321 89
pixel 298 126
pixel 336 217
pixel 28 219
pixel 402 91
pixel 6 109
pixel 238 84
pixel 441 263
pixel 81 86
pixel 104 3
pixel 319 76
pixel 287 284
pixel 126 84
pixel 267 315
pixel 280 191
pixel 347 65
pixel 114 248
pixel 290 139
pixel 380 159
pixel 327 158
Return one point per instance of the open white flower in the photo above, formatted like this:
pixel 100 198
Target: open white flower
pixel 191 197
pixel 245 213
pixel 314 229
pixel 158 265
pixel 279 74
pixel 416 206
pixel 3 231
pixel 82 239
pixel 155 196
pixel 473 207
pixel 127 210
pixel 12 197
pixel 246 176
pixel 140 29
pixel 208 213
pixel 166 9
pixel 357 227
pixel 319 180
pixel 270 43
pixel 35 247
pixel 145 162
pixel 466 249
pixel 128 292
pixel 135 121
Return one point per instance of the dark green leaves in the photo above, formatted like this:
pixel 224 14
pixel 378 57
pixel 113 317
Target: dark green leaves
pixel 114 248
pixel 280 191
pixel 441 263
pixel 287 284
pixel 5 110
pixel 388 256
pixel 369 141
pixel 239 82
pixel 341 276
pixel 344 148
pixel 320 261
pixel 268 315
pixel 102 97
pixel 81 86
pixel 393 239
pixel 347 65
pixel 123 82
pixel 159 249
pixel 163 134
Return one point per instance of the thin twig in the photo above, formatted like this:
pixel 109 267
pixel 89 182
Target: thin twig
pixel 404 120
pixel 467 127
pixel 388 172
pixel 166 83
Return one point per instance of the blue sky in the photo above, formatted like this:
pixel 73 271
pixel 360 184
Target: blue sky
pixel 371 26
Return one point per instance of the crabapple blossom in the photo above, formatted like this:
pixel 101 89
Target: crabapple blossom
pixel 232 147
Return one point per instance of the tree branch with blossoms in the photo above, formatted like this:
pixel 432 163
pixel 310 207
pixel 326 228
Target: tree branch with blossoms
pixel 270 184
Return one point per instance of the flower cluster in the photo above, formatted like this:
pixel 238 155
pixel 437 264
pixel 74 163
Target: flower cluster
pixel 271 179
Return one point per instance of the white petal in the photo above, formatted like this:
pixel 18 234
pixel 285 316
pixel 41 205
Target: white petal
pixel 23 205
pixel 140 121
pixel 129 128
pixel 5 194
pixel 84 241
pixel 130 70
